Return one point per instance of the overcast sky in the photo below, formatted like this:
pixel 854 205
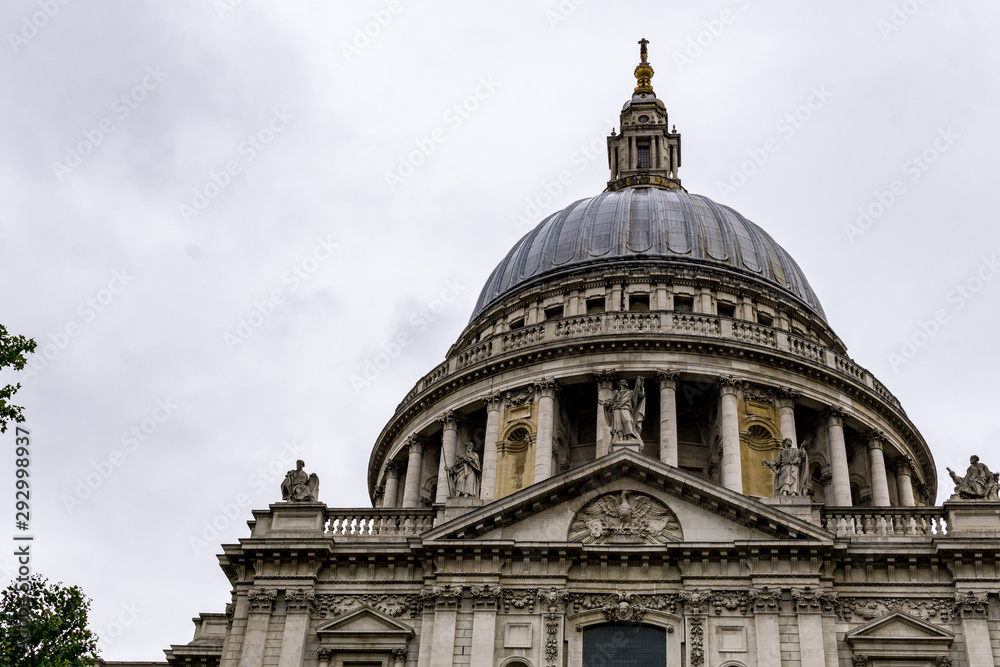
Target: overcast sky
pixel 171 168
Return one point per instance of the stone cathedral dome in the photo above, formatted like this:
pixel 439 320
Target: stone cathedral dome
pixel 645 226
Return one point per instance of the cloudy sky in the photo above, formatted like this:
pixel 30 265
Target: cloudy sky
pixel 216 212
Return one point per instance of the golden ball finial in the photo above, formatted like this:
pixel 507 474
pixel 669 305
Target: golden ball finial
pixel 644 71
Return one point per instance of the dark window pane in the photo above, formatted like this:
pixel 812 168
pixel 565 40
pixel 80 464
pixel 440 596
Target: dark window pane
pixel 624 645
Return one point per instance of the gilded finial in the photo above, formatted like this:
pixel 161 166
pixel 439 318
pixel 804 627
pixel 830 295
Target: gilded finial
pixel 644 71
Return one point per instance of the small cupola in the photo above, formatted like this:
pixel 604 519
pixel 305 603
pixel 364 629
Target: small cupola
pixel 645 152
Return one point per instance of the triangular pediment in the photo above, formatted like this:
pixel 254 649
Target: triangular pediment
pixel 900 627
pixel 365 622
pixel 672 505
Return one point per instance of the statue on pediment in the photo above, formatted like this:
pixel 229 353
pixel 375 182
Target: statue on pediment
pixel 787 467
pixel 625 412
pixel 979 482
pixel 300 486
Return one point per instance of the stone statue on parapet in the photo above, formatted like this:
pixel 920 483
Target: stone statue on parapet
pixel 787 467
pixel 300 486
pixel 978 484
pixel 465 475
pixel 625 412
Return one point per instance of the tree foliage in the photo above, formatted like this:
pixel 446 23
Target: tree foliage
pixel 45 625
pixel 13 354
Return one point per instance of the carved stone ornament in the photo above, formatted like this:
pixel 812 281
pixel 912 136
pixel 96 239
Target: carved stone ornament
pixel 520 396
pixel 325 655
pixel 812 599
pixel 865 609
pixel 979 483
pixel 971 604
pixel 332 605
pixel 764 600
pixel 611 605
pixel 262 600
pixel 944 661
pixel 859 660
pixel 553 599
pixel 551 640
pixel 299 600
pixel 758 394
pixel 300 486
pixel 442 597
pixel 696 640
pixel 696 602
pixel 618 518
pixel 522 601
pixel 624 607
pixel 485 597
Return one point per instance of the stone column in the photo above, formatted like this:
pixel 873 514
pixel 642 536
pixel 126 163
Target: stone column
pixel 765 603
pixel 299 604
pixel 494 403
pixel 484 624
pixel 972 608
pixel 324 657
pixel 605 389
pixel 391 493
pixel 841 484
pixel 876 462
pixel 668 416
pixel 546 427
pixel 399 657
pixel 786 414
pixel 261 603
pixel 732 463
pixel 414 467
pixel 449 438
pixel 904 481
pixel 446 601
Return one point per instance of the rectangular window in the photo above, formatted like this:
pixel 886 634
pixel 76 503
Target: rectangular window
pixel 516 324
pixel 638 302
pixel 684 304
pixel 643 155
pixel 726 310
pixel 595 305
pixel 554 312
pixel 764 319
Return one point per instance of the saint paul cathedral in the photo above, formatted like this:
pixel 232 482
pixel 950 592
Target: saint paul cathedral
pixel 648 447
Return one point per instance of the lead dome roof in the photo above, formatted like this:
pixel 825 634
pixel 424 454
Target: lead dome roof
pixel 645 225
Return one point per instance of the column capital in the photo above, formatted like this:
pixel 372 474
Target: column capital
pixel 546 388
pixel 765 600
pixel 875 439
pixel 972 604
pixel 485 598
pixel 605 378
pixel 785 397
pixel 392 469
pixel 814 600
pixel 300 600
pixel 903 466
pixel 859 660
pixel 449 420
pixel 667 378
pixel 262 600
pixel 493 401
pixel 415 444
pixel 325 655
pixel 835 415
pixel 730 385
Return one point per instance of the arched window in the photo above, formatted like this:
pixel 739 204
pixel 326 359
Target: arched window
pixel 624 645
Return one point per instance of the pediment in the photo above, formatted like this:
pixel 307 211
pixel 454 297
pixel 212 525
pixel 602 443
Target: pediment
pixel 899 627
pixel 365 622
pixel 676 507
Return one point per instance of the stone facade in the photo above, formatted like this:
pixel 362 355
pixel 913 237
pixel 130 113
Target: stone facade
pixel 578 549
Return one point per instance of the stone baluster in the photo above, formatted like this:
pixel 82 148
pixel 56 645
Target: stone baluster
pixel 668 416
pixel 732 463
pixel 841 483
pixel 414 469
pixel 494 404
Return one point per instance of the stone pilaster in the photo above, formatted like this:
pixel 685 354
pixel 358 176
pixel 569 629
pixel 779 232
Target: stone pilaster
pixel 494 404
pixel 668 416
pixel 391 492
pixel 449 439
pixel 732 462
pixel 903 467
pixel 414 468
pixel 261 603
pixel 810 606
pixel 445 601
pixel 484 623
pixel 546 390
pixel 875 440
pixel 695 617
pixel 972 608
pixel 785 403
pixel 841 483
pixel 605 388
pixel 324 657
pixel 299 605
pixel 765 603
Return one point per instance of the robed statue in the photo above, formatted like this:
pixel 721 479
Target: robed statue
pixel 624 412
pixel 300 486
pixel 978 484
pixel 466 474
pixel 787 467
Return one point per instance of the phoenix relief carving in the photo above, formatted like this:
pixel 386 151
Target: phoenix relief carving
pixel 625 518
